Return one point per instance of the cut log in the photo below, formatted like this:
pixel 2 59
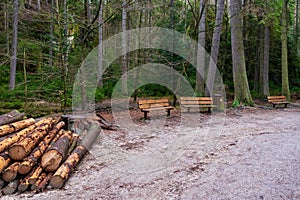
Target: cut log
pixel 11 172
pixel 16 126
pixel 57 153
pixel 21 149
pixel 4 144
pixel 11 187
pixel 4 160
pixel 10 117
pixel 24 183
pixel 35 175
pixel 45 182
pixel 35 155
pixel 2 183
pixel 35 186
pixel 64 171
pixel 75 138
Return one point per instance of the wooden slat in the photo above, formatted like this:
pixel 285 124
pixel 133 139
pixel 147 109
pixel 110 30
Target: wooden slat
pixel 158 108
pixel 277 98
pixel 196 102
pixel 196 98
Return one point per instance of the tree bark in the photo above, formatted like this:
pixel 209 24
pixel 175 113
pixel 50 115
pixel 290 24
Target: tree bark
pixel 11 172
pixel 215 48
pixel 64 171
pixel 30 161
pixel 13 63
pixel 241 87
pixel 51 34
pixel 24 183
pixel 44 182
pixel 284 51
pixel 16 126
pixel 22 148
pixel 57 153
pixel 200 83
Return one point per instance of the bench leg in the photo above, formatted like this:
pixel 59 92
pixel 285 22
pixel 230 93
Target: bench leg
pixel 188 110
pixel 274 106
pixel 209 110
pixel 168 112
pixel 145 115
pixel 285 105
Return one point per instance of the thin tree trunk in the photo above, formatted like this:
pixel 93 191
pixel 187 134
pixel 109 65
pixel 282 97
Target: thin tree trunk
pixel 13 63
pixel 240 80
pixel 100 46
pixel 200 85
pixel 215 48
pixel 124 47
pixel 261 57
pixel 284 56
pixel 51 34
pixel 38 5
pixel 266 91
pixel 6 27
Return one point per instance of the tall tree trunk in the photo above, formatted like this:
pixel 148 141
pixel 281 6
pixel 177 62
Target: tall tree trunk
pixel 124 47
pixel 6 27
pixel 284 56
pixel 38 5
pixel 100 46
pixel 51 34
pixel 200 54
pixel 266 91
pixel 261 56
pixel 240 80
pixel 13 63
pixel 215 48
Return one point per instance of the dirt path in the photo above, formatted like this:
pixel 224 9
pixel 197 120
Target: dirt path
pixel 252 154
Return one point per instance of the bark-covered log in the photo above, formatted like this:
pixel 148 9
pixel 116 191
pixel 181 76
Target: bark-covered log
pixel 11 187
pixel 35 155
pixel 57 153
pixel 45 182
pixel 10 117
pixel 75 138
pixel 2 183
pixel 11 172
pixel 35 175
pixel 24 183
pixel 4 160
pixel 21 149
pixel 16 126
pixel 4 144
pixel 64 171
pixel 35 186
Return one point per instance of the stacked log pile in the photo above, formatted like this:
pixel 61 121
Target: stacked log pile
pixel 36 154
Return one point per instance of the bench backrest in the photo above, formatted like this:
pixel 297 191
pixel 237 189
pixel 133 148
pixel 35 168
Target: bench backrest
pixel 275 99
pixel 153 103
pixel 196 100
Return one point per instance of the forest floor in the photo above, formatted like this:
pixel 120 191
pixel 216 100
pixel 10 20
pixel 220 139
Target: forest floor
pixel 249 153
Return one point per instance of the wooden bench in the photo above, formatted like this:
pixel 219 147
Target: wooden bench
pixel 197 102
pixel 148 105
pixel 277 100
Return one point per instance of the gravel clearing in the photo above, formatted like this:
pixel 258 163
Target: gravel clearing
pixel 253 154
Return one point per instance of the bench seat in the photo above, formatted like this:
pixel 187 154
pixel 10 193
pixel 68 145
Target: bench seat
pixel 148 105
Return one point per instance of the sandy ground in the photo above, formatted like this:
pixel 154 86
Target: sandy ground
pixel 245 154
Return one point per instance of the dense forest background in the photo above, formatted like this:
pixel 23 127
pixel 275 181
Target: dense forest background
pixel 47 40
